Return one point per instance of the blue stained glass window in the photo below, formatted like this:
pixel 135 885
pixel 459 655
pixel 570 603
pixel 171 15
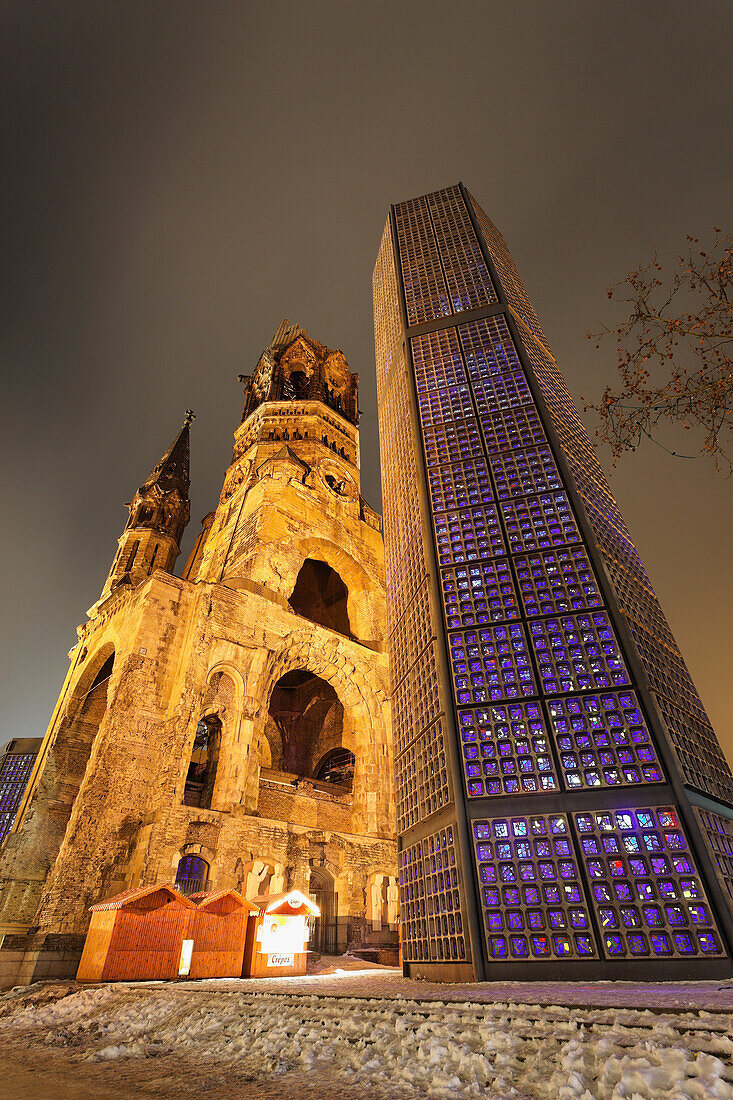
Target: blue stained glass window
pixel 661 943
pixel 542 859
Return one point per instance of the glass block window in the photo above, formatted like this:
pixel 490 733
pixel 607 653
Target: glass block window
pixel 466 273
pixel 430 903
pixel 489 350
pixel 521 473
pixel 478 593
pixel 468 535
pixel 442 385
pixel 413 917
pixel 14 775
pixel 421 778
pixel 603 741
pixel 506 750
pixel 426 296
pixel 577 653
pixel 500 393
pixel 491 664
pixel 387 322
pixel 462 486
pixel 645 888
pixel 437 359
pixel 512 429
pixel 718 832
pixel 553 582
pixel 442 897
pixel 411 635
pixel 451 441
pixel 415 700
pixel 533 523
pixel 446 403
pixel 534 905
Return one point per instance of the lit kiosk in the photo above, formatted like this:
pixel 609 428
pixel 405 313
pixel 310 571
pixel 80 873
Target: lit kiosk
pixel 277 937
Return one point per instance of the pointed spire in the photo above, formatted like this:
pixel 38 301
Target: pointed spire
pixel 173 470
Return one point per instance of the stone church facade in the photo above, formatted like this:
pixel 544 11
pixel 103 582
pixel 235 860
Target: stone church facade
pixel 229 727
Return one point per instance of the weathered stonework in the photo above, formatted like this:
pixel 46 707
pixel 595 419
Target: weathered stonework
pixel 163 661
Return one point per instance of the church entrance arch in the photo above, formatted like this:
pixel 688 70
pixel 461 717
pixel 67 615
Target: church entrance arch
pixel 324 928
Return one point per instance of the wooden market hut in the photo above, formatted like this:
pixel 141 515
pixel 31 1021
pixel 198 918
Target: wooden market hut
pixel 219 930
pixel 136 935
pixel 278 916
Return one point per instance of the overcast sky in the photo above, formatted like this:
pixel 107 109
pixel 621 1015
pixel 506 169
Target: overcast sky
pixel 180 176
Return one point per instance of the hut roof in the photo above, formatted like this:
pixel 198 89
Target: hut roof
pixel 128 897
pixel 292 903
pixel 205 898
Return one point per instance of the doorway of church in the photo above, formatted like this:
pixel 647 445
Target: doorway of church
pixel 323 929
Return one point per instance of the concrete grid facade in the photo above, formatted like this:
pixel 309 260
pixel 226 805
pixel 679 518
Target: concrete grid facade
pixel 561 795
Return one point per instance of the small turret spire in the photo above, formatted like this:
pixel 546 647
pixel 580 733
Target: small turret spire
pixel 159 513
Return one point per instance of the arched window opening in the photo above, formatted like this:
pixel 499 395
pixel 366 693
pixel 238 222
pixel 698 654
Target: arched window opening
pixel 305 723
pixel 321 596
pixel 337 766
pixel 201 774
pixel 300 382
pixel 132 555
pixel 324 932
pixel 192 875
pixel 72 747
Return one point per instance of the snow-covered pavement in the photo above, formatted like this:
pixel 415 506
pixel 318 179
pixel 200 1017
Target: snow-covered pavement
pixel 401 1047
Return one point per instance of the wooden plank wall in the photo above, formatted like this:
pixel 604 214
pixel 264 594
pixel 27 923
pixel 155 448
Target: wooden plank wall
pixel 218 943
pixel 146 943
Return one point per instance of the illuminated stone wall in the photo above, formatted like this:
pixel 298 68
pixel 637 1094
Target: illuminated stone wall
pixel 107 808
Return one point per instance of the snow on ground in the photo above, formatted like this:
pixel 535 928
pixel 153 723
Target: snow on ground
pixel 399 1046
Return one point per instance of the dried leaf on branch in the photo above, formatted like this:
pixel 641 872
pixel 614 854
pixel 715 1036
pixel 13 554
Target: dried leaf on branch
pixel 674 355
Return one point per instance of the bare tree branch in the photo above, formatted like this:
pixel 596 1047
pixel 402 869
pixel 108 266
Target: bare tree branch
pixel 674 364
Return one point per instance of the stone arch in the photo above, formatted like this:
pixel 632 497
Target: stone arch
pixel 305 720
pixel 192 873
pixel 321 595
pixel 220 714
pixel 366 730
pixel 71 747
pixel 260 876
pixel 365 615
pixel 228 669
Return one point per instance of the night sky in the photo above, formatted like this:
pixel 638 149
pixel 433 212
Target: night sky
pixel 180 176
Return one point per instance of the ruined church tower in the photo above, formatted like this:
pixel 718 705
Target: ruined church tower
pixel 230 727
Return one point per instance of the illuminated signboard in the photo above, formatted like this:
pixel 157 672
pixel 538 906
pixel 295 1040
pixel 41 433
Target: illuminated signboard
pixel 282 935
